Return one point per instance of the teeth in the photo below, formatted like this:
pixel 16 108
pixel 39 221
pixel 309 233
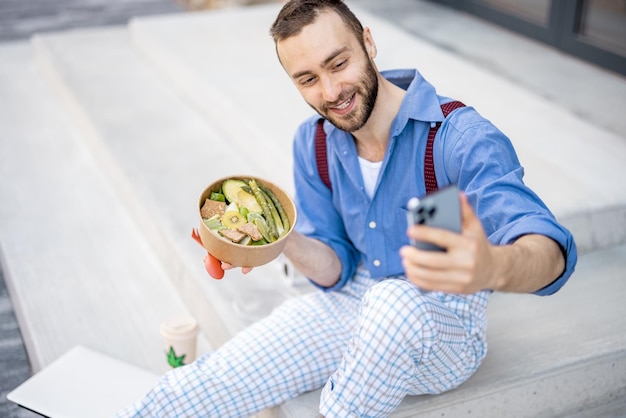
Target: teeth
pixel 344 104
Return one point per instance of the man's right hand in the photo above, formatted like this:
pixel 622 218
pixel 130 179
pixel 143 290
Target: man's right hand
pixel 216 268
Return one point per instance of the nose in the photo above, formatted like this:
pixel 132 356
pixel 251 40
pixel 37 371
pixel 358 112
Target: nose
pixel 331 89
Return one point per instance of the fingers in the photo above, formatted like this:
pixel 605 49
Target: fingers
pixel 437 236
pixel 430 270
pixel 216 268
pixel 227 266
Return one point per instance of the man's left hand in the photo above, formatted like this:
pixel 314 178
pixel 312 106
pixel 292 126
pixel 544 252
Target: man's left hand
pixel 467 265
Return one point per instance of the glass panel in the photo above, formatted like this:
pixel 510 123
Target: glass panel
pixel 603 23
pixel 536 11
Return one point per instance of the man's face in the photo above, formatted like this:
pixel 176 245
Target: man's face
pixel 332 71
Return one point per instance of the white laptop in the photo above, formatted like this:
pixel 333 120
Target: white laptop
pixel 83 383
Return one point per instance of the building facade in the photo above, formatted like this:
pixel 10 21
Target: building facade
pixel 593 30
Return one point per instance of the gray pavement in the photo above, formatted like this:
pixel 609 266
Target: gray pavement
pixel 19 20
pixel 13 358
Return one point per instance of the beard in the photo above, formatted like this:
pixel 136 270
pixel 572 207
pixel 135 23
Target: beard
pixel 367 88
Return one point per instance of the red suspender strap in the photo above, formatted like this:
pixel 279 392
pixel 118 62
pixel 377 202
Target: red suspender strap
pixel 320 153
pixel 430 179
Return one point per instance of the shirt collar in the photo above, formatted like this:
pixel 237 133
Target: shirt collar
pixel 421 101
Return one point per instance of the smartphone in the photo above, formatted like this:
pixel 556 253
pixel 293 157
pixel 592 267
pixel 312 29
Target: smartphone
pixel 440 209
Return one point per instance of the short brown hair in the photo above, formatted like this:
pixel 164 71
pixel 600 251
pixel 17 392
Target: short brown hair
pixel 297 14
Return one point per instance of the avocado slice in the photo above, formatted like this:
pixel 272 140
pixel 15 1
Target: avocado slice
pixel 234 192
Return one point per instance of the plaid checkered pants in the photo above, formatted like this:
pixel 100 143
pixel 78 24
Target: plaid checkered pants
pixel 369 345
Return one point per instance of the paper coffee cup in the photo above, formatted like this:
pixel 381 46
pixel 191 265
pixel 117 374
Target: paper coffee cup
pixel 180 339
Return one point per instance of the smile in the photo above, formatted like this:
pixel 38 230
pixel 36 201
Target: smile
pixel 344 105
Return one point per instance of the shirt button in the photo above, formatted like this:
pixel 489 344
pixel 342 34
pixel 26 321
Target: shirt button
pixel 377 263
pixel 372 225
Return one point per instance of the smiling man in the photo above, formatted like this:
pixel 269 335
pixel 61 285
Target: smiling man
pixel 388 319
pixel 347 92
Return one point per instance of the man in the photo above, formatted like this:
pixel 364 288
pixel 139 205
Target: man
pixel 390 320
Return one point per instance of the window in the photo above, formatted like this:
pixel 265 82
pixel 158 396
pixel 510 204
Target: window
pixel 536 11
pixel 594 30
pixel 603 23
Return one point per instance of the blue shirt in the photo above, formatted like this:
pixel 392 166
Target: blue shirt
pixel 469 151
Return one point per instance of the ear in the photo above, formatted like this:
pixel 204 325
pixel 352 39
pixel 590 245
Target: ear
pixel 370 45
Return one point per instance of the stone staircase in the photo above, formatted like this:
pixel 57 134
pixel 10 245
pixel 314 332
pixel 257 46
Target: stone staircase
pixel 109 136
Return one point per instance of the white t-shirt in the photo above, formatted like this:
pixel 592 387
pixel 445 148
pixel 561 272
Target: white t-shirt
pixel 370 171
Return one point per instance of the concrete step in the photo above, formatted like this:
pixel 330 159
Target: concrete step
pixel 78 269
pixel 129 125
pixel 159 154
pixel 238 85
pixel 548 357
pixel 248 96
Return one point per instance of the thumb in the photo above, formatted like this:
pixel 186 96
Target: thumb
pixel 468 215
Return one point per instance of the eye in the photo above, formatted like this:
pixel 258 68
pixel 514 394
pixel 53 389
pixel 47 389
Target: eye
pixel 341 64
pixel 307 81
